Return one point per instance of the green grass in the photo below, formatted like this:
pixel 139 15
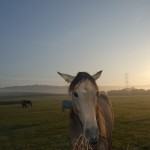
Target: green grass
pixel 132 122
pixel 44 127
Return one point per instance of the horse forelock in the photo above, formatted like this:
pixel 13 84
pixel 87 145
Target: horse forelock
pixel 81 76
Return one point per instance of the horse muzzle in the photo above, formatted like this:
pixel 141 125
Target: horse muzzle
pixel 92 135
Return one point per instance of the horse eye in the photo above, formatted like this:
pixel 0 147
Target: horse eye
pixel 98 94
pixel 75 94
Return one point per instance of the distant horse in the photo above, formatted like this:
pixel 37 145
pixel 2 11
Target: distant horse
pixel 26 103
pixel 66 104
pixel 91 114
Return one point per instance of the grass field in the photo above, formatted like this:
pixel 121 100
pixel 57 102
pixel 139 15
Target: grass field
pixel 44 127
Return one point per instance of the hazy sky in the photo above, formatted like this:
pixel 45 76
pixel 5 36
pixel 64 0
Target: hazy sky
pixel 40 37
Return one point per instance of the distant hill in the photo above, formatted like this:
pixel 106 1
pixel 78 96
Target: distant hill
pixel 36 89
pixel 49 89
pixel 55 89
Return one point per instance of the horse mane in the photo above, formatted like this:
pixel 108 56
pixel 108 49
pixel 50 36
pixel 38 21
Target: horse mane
pixel 102 120
pixel 81 76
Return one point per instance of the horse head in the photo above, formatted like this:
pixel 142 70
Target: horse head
pixel 84 89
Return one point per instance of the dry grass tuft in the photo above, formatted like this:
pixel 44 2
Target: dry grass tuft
pixel 82 143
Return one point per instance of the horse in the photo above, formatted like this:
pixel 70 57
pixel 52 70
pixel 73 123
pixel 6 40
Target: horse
pixel 26 103
pixel 66 104
pixel 91 114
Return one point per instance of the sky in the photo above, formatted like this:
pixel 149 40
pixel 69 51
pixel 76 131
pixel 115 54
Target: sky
pixel 40 37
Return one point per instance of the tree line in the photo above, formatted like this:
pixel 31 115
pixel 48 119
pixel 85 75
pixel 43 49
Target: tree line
pixel 129 91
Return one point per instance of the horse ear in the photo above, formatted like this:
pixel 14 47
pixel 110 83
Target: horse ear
pixel 97 75
pixel 67 77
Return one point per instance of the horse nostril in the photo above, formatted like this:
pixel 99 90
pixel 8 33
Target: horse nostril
pixel 94 140
pixel 92 135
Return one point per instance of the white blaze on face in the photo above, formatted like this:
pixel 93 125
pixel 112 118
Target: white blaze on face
pixel 84 90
